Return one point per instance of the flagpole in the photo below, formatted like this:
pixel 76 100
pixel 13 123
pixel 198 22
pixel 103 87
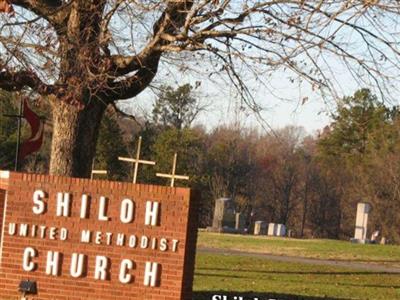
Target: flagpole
pixel 18 136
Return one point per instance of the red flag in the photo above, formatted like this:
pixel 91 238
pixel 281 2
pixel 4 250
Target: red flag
pixel 34 143
pixel 6 7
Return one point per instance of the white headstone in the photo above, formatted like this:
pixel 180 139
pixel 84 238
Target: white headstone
pixel 363 210
pixel 374 236
pixel 281 230
pixel 272 229
pixel 260 228
pixel 239 221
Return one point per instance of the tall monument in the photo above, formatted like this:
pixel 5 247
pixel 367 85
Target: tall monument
pixel 360 234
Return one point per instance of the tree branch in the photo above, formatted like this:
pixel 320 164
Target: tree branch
pixel 38 5
pixel 146 63
pixel 16 81
pixel 122 65
pixel 50 10
pixel 135 84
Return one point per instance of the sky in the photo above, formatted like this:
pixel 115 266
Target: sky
pixel 281 100
pixel 277 113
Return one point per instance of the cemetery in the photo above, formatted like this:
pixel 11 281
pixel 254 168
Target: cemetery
pixel 133 238
pixel 225 247
pixel 126 239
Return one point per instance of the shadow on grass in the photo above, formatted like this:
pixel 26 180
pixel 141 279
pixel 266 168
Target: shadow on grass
pixel 252 296
pixel 328 273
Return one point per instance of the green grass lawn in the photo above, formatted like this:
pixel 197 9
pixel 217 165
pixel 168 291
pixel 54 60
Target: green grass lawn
pixel 249 277
pixel 322 249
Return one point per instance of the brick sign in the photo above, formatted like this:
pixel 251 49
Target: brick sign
pixel 92 239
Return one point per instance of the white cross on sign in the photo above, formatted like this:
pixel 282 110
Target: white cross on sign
pixel 98 172
pixel 173 176
pixel 137 160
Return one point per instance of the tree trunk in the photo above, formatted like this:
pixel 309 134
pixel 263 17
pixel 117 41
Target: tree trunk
pixel 305 210
pixel 75 133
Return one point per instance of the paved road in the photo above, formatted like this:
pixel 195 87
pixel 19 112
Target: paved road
pixel 372 267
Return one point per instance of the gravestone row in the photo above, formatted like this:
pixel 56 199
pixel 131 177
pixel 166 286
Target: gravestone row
pixel 271 229
pixel 227 220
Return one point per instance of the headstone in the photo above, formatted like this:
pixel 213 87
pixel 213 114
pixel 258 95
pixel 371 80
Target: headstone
pixel 374 236
pixel 360 234
pixel 276 229
pixel 281 230
pixel 260 228
pixel 239 222
pixel 272 229
pixel 383 241
pixel 73 238
pixel 224 219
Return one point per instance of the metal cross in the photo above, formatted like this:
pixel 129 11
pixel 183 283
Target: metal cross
pixel 98 172
pixel 173 176
pixel 19 117
pixel 136 161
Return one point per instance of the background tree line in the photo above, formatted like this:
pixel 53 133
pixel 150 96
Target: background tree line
pixel 311 183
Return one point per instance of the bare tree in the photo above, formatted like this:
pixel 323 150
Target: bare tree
pixel 84 55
